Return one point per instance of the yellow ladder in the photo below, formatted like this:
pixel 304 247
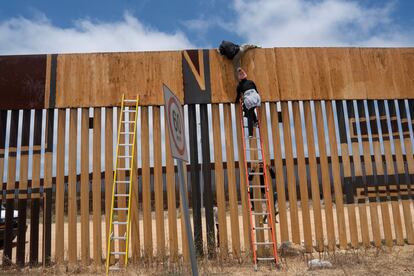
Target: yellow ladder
pixel 126 131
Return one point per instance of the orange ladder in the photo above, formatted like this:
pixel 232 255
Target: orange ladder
pixel 259 244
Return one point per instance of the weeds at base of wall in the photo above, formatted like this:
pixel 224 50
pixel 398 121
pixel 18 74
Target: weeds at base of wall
pixel 371 261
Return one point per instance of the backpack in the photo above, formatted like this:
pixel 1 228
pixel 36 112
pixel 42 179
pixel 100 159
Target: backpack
pixel 228 49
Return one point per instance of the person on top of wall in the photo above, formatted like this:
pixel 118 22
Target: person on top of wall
pixel 246 89
pixel 234 52
pixel 259 168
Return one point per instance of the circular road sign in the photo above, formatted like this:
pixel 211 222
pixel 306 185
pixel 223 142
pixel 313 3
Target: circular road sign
pixel 175 121
pixel 175 124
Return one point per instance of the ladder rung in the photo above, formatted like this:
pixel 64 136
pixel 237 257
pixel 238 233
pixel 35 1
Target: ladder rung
pixel 116 268
pixel 263 243
pixel 262 228
pixel 129 111
pixel 256 173
pixel 255 161
pixel 257 214
pixel 120 222
pixel 121 195
pixel 253 137
pixel 123 169
pixel 125 156
pixel 126 132
pixel 121 209
pixel 129 122
pixel 125 144
pixel 257 186
pixel 258 199
pixel 122 181
pixel 265 258
pixel 118 238
pixel 118 253
pixel 130 101
pixel 253 149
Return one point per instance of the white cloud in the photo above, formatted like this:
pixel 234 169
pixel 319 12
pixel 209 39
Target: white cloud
pixel 203 24
pixel 30 36
pixel 198 25
pixel 273 23
pixel 269 23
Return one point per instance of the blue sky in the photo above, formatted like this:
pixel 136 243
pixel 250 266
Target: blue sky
pixel 46 26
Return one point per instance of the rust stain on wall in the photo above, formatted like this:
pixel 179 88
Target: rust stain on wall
pixel 22 81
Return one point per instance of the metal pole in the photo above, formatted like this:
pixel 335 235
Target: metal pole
pixel 187 219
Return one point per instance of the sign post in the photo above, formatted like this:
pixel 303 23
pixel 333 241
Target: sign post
pixel 175 125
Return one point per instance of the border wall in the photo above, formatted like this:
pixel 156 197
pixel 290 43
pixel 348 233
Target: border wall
pixel 339 125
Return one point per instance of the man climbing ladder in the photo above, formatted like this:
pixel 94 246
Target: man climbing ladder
pixel 246 90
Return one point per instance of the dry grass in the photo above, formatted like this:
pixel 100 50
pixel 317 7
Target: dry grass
pixel 385 261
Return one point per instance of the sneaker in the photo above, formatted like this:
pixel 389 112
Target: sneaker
pixel 256 124
pixel 265 220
